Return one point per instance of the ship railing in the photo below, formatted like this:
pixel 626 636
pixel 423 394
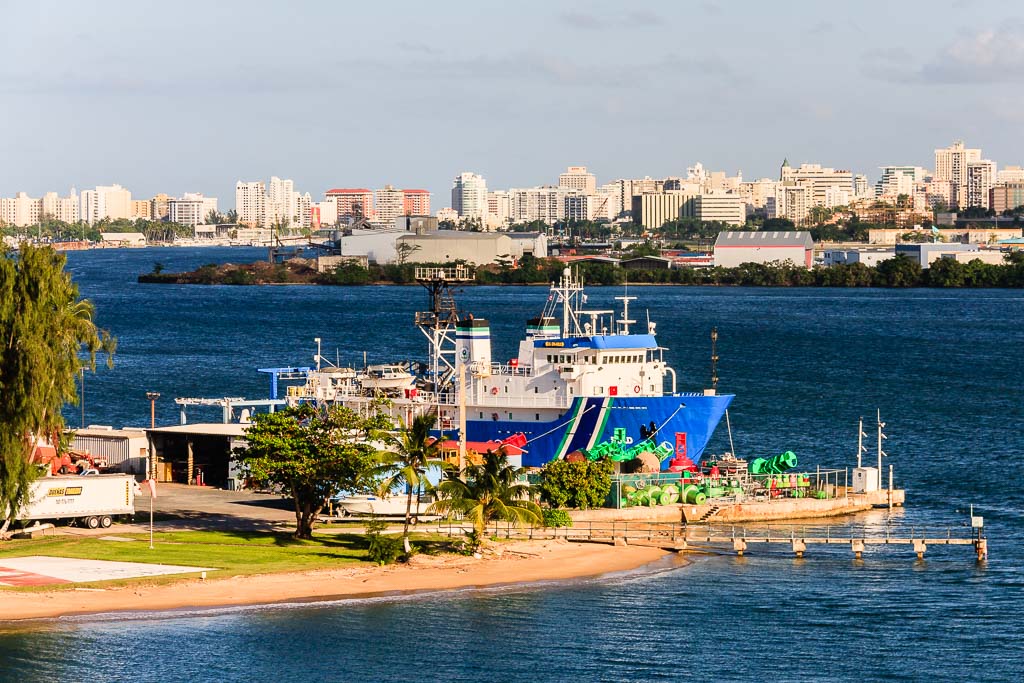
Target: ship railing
pixel 513 370
pixel 529 401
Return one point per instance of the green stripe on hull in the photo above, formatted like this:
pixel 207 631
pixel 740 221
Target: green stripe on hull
pixel 560 453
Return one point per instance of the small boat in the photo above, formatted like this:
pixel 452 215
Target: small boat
pixel 388 377
pixel 382 506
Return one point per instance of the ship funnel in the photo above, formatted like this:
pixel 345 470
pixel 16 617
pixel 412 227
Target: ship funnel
pixel 542 327
pixel 473 345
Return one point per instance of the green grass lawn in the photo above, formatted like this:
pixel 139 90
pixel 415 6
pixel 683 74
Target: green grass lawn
pixel 230 552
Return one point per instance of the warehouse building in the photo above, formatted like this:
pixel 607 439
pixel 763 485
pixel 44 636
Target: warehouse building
pixel 736 247
pixel 125 450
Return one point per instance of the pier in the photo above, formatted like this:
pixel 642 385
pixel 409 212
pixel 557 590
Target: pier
pixel 741 540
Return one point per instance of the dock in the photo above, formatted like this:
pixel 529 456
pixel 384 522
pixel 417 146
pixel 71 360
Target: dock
pixel 741 540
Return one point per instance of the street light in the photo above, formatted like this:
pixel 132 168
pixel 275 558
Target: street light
pixel 152 396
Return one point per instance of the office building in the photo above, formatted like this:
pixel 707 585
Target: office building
pixel 1006 196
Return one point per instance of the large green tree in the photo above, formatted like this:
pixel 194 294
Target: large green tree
pixel 488 492
pixel 310 454
pixel 47 338
pixel 411 452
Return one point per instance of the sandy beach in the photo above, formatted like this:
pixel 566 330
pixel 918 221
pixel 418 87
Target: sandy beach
pixel 511 563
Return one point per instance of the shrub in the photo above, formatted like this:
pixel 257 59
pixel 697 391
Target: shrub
pixel 556 518
pixel 381 549
pixel 580 485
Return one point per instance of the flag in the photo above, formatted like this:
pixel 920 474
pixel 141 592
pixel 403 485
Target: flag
pixel 152 487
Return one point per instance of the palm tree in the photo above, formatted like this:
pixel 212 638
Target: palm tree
pixel 413 451
pixel 488 492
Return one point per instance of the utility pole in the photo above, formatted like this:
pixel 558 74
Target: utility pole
pixel 152 396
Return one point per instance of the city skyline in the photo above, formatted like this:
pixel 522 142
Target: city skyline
pixel 626 92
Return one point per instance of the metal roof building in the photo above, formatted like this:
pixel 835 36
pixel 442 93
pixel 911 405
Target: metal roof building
pixel 735 247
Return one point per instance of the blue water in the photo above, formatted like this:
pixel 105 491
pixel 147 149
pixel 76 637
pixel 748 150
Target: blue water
pixel 943 366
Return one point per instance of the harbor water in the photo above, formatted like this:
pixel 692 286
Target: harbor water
pixel 944 368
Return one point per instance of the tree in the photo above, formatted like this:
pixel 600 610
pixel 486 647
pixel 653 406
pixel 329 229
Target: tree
pixel 413 451
pixel 901 271
pixel 231 216
pixel 582 484
pixel 486 493
pixel 311 454
pixel 44 327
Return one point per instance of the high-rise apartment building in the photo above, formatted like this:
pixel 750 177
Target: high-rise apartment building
pixel 499 208
pixel 792 201
pixel 141 208
pixel 191 209
pixel 65 209
pixel 281 202
pixel 415 203
pixel 353 203
pixel 951 165
pixel 251 203
pixel 20 210
pixel 861 188
pixel 897 180
pixel 981 177
pixel 388 203
pixel 469 195
pixel 1010 174
pixel 818 179
pixel 577 178
pixel 106 201
pixel 158 210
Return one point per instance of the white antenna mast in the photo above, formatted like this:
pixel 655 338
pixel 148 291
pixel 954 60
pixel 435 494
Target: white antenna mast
pixel 861 448
pixel 880 451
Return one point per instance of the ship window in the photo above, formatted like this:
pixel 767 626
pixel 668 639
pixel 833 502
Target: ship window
pixel 506 388
pixel 536 416
pixel 600 390
pixel 536 390
pixel 509 415
pixel 481 416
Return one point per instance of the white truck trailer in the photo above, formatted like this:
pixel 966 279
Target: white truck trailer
pixel 93 501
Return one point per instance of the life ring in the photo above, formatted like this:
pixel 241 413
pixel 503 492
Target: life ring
pixel 636 389
pixel 494 391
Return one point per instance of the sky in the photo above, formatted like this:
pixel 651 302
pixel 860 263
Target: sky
pixel 193 96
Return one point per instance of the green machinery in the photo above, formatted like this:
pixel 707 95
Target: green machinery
pixel 783 462
pixel 618 449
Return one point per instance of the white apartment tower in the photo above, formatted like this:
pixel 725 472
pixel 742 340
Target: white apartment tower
pixel 981 177
pixel 251 203
pixel 389 203
pixel 106 201
pixel 577 178
pixel 469 195
pixel 951 165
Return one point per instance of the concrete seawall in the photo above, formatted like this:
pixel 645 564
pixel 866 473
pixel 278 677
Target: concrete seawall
pixel 747 511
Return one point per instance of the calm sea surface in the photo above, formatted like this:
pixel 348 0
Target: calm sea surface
pixel 944 367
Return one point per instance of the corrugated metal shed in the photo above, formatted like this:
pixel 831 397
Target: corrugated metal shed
pixel 777 238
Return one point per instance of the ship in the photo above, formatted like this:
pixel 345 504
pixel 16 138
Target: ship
pixel 581 377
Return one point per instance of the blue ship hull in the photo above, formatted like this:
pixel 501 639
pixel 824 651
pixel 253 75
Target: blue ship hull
pixel 590 421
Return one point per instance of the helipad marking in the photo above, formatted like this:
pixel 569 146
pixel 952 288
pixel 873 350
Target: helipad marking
pixel 38 570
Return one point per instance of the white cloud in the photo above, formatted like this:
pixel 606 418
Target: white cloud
pixel 986 56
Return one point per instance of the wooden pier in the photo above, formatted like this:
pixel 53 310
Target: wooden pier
pixel 682 538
